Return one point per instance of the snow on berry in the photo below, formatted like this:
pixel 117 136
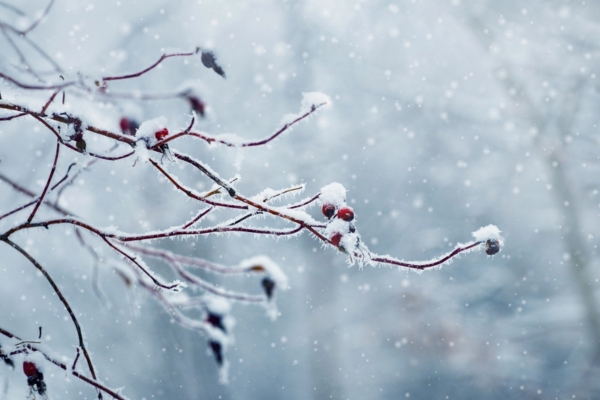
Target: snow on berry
pixel 334 193
pixel 220 307
pixel 161 134
pixel 147 131
pixel 217 304
pixel 147 137
pixel 490 232
pixel 336 238
pixel 270 268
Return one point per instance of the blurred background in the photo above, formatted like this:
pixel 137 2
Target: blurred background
pixel 447 115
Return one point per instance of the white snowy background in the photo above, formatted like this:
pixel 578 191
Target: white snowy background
pixel 446 116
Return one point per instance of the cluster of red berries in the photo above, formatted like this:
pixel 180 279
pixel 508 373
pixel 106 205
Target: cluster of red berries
pixel 35 379
pixel 345 214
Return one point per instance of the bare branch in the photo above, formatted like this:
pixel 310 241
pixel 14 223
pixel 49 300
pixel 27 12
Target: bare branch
pixel 142 72
pixel 37 21
pixel 41 199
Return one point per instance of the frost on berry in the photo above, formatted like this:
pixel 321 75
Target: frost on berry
pixel 336 238
pixel 149 129
pixel 490 235
pixel 29 368
pixel 161 134
pixel 328 210
pixel 346 214
pixel 35 377
pixel 269 268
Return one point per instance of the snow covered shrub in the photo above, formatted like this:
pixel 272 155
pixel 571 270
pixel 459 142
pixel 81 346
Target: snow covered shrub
pixel 84 122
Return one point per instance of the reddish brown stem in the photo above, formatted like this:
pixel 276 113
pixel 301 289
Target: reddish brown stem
pixel 75 361
pixel 233 193
pixel 197 218
pixel 219 229
pixel 60 296
pixel 142 72
pixel 137 264
pixel 307 202
pixel 422 266
pixel 29 193
pixel 49 102
pixel 36 87
pixel 260 142
pixel 37 21
pixel 191 261
pixel 189 193
pixel 13 117
pixel 171 259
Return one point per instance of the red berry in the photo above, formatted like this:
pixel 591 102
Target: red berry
pixel 29 368
pixel 328 210
pixel 163 133
pixel 124 125
pixel 346 214
pixel 336 238
pixel 197 105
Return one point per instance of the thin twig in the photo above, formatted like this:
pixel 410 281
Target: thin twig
pixel 142 72
pixel 49 101
pixel 137 264
pixel 12 8
pixel 425 265
pixel 60 296
pixel 93 382
pixel 41 199
pixel 36 22
pixel 197 217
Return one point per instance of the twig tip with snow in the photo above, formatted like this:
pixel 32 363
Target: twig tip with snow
pixel 312 99
pixel 490 235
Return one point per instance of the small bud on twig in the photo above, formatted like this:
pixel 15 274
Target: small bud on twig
pixel 492 246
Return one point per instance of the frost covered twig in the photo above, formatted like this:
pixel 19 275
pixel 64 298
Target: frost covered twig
pixel 41 199
pixel 31 348
pixel 60 296
pixel 151 67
